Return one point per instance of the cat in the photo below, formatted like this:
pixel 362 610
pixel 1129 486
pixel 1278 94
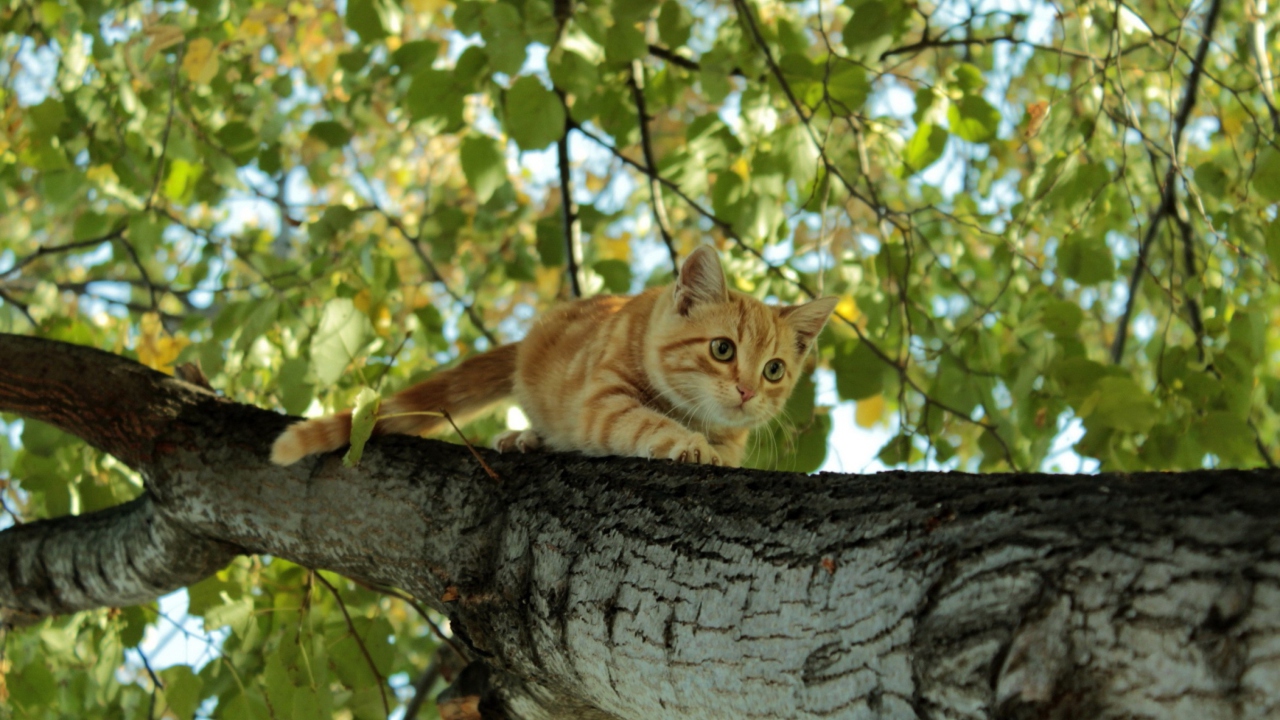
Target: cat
pixel 681 372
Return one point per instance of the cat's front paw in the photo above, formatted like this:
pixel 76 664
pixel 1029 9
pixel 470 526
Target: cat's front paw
pixel 522 440
pixel 689 448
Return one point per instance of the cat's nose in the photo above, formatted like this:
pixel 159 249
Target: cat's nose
pixel 746 394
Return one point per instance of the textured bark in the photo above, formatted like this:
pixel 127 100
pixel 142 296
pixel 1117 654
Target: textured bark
pixel 620 588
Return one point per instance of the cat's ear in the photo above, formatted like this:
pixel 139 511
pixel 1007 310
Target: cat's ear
pixel 808 319
pixel 701 280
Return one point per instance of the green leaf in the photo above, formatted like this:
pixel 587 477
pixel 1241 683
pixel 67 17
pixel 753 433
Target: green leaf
pixel 973 119
pixel 550 239
pixel 859 373
pixel 924 148
pixel 374 19
pixel 1211 179
pixel 180 184
pixel 181 690
pixel 1122 405
pixel 415 54
pixel 625 43
pixel 1266 179
pixel 1062 318
pixel 969 80
pixel 363 419
pixel 674 24
pixel 332 133
pixel 1226 435
pixel 483 164
pixel 848 88
pixel 534 115
pixel 616 275
pixel 295 392
pixel 239 140
pixel 1085 259
pixel 335 219
pixel 341 335
pixel 504 38
pixel 897 451
pixel 433 95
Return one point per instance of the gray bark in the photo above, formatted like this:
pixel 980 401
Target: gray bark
pixel 621 588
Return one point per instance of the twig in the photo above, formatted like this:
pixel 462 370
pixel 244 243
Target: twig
pixel 1169 191
pixel 155 683
pixel 17 519
pixel 569 211
pixel 1262 448
pixel 1189 262
pixel 23 307
pixel 382 683
pixel 392 592
pixel 168 126
pixel 433 271
pixel 109 237
pixel 646 143
pixel 488 470
pixel 422 687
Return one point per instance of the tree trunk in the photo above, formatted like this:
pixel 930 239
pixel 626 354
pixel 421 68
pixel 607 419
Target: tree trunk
pixel 623 588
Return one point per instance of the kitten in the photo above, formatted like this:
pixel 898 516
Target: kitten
pixel 681 372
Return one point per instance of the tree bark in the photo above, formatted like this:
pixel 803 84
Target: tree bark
pixel 622 588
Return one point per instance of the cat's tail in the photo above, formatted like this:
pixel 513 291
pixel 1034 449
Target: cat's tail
pixel 476 384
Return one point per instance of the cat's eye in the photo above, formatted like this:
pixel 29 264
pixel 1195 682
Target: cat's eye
pixel 774 370
pixel 722 349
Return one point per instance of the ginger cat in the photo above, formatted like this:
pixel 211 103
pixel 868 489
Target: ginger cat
pixel 681 372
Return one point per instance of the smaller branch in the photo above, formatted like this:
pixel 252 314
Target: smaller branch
pixel 422 687
pixel 68 247
pixel 156 685
pixel 1189 263
pixel 23 307
pixel 488 470
pixel 433 271
pixel 1262 447
pixel 382 682
pixel 674 59
pixel 1169 191
pixel 168 126
pixel 646 143
pixel 569 208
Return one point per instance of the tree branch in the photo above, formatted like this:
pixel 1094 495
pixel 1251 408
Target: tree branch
pixel 655 188
pixel 569 213
pixel 580 579
pixel 1168 194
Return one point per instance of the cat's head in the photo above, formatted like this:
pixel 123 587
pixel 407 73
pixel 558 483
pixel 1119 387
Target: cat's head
pixel 727 358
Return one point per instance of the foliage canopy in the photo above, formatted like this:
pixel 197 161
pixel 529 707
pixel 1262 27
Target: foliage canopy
pixel 1033 213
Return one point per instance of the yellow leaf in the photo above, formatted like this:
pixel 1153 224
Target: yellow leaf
pixel 161 37
pixel 616 248
pixel 427 6
pixel 869 411
pixel 548 280
pixel 362 300
pixel 847 308
pixel 251 28
pixel 156 348
pixel 740 167
pixel 200 63
pixel 101 174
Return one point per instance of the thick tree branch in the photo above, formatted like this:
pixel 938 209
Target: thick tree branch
pixel 125 555
pixel 624 588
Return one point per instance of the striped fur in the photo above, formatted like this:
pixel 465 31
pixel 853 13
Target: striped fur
pixel 616 375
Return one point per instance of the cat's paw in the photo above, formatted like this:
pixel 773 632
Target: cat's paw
pixel 689 448
pixel 522 440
